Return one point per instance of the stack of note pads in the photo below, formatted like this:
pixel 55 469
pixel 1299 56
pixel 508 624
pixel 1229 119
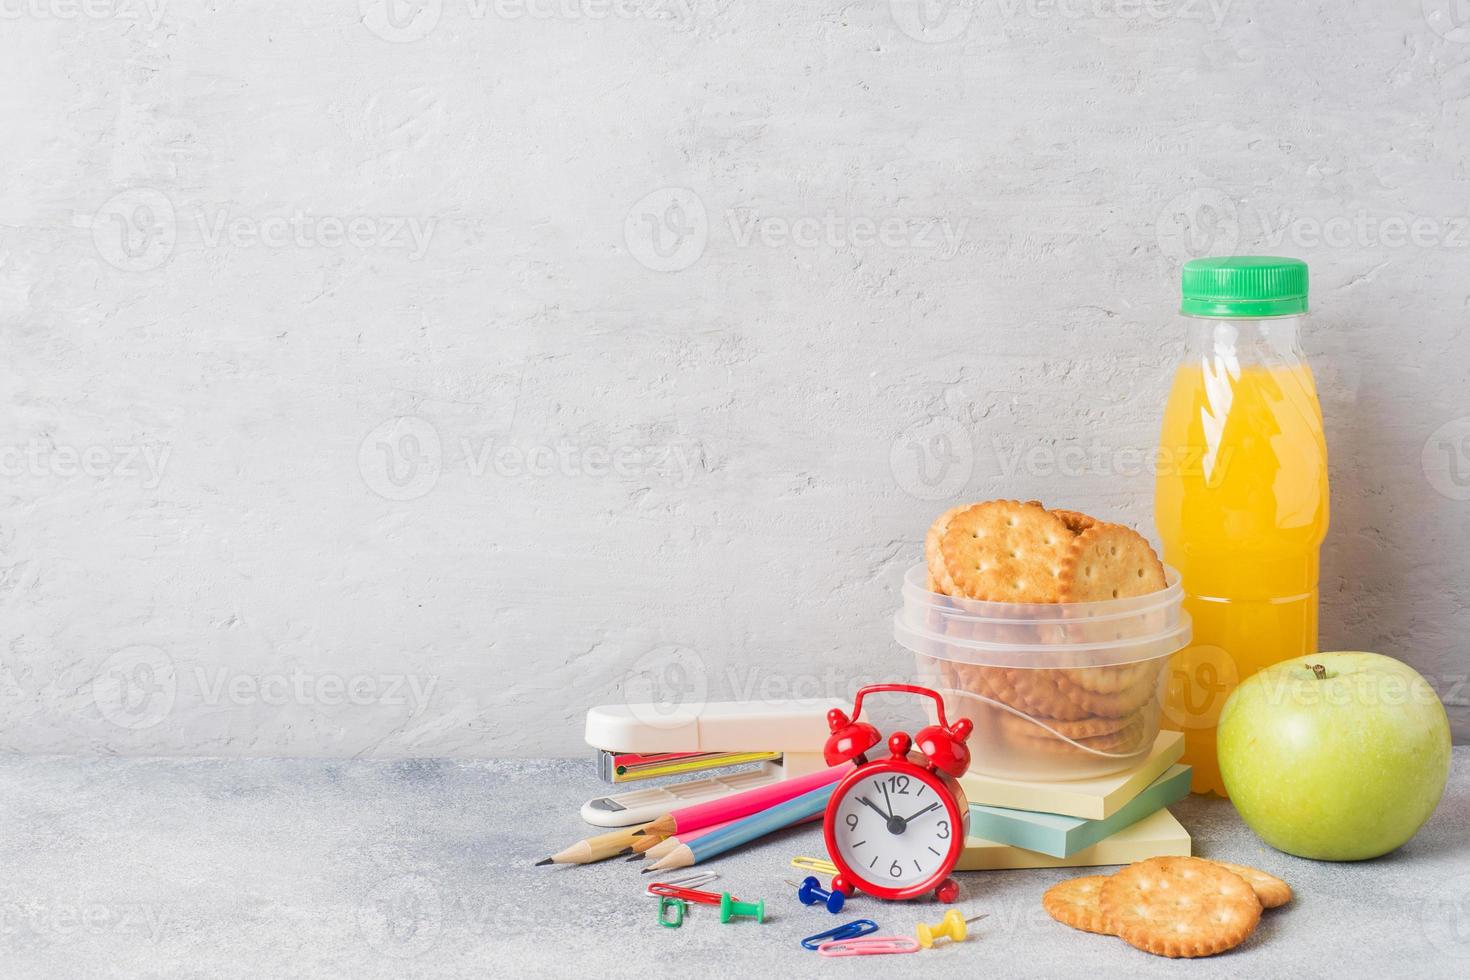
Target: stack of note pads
pixel 1114 819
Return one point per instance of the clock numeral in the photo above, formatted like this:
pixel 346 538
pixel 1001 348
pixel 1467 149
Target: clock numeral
pixel 899 784
pixel 895 870
pixel 852 821
pixel 945 825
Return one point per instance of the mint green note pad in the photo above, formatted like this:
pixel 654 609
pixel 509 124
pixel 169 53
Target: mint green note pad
pixel 1062 836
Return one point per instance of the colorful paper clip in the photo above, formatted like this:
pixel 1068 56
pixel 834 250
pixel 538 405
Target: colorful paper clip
pixel 848 930
pixel 811 892
pixel 679 907
pixel 666 890
pixel 952 925
pixel 819 865
pixel 869 946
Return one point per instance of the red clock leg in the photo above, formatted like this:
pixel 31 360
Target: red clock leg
pixel 841 884
pixel 948 891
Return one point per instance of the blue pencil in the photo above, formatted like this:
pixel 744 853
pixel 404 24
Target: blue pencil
pixel 793 811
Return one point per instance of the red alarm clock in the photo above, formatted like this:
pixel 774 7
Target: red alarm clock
pixel 895 826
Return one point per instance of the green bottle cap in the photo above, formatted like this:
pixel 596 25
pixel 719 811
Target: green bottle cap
pixel 1244 286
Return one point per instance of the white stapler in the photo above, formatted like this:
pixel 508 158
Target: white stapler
pixel 644 741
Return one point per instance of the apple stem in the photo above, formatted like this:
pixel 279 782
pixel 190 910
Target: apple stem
pixel 1319 670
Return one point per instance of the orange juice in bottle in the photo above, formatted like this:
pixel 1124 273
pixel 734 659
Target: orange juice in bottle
pixel 1241 494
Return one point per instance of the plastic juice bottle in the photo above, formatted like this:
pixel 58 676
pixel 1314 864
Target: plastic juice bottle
pixel 1241 495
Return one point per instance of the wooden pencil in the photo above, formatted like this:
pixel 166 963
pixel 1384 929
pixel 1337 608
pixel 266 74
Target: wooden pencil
pixel 611 844
pixel 745 830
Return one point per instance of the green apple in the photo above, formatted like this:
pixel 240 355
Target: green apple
pixel 1334 756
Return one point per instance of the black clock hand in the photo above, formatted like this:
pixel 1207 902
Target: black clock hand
pixel 887 802
pixel 867 802
pixel 911 819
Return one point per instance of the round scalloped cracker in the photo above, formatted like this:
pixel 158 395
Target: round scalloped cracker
pixel 1180 906
pixel 1109 561
pixel 1128 740
pixel 1076 521
pixel 1051 728
pixel 1051 693
pixel 1271 890
pixel 1006 551
pixel 939 580
pixel 1075 903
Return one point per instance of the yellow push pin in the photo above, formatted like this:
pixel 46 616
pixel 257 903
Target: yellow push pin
pixel 952 926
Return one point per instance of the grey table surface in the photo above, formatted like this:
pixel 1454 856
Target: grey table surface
pixel 292 868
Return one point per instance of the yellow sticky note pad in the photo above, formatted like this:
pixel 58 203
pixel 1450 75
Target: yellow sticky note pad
pixel 1091 799
pixel 1154 836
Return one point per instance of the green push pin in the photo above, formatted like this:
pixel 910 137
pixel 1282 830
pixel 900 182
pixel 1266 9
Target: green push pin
pixel 729 908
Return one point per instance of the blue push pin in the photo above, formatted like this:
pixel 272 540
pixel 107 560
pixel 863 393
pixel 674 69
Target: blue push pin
pixel 811 892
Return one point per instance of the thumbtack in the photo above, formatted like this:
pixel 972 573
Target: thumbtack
pixel 952 925
pixel 811 892
pixel 730 908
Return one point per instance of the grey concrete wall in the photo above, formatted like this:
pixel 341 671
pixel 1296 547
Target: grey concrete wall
pixel 404 378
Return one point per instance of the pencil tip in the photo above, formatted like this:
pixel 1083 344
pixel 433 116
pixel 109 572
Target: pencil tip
pixel 626 850
pixel 639 833
pixel 545 861
pixel 647 870
pixel 635 857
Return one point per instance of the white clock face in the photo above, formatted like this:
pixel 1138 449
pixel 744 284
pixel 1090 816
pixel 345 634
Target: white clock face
pixel 893 830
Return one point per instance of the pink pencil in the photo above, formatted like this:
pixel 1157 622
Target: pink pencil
pixel 727 808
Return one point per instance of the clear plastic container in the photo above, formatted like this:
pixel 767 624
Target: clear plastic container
pixel 1054 690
